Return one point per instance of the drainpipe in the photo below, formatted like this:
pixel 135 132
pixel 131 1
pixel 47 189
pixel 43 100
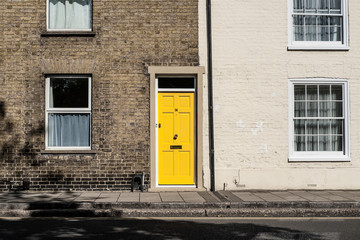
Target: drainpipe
pixel 210 96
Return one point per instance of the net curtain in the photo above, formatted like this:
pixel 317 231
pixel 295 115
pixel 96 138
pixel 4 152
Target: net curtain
pixel 70 14
pixel 69 130
pixel 316 27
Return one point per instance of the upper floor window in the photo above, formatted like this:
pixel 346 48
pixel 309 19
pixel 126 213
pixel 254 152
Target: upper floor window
pixel 318 24
pixel 69 15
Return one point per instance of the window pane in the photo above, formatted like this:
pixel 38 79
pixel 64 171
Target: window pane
pixel 70 130
pixel 310 28
pixel 310 6
pixel 299 110
pixel 299 126
pixel 335 6
pixel 176 82
pixel 299 92
pixel 336 92
pixel 70 14
pixel 324 143
pixel 69 93
pixel 312 92
pixel 311 127
pixel 312 109
pixel 323 6
pixel 324 126
pixel 337 109
pixel 323 28
pixel 325 109
pixel 336 126
pixel 324 92
pixel 299 143
pixel 312 143
pixel 337 143
pixel 298 6
pixel 298 22
pixel 335 29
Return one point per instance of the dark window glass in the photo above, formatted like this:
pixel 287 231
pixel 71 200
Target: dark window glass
pixel 176 82
pixel 69 92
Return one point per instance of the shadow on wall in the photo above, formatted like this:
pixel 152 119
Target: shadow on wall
pixel 19 150
pixel 33 228
pixel 6 131
pixel 12 146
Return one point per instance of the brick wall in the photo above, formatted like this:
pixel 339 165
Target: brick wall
pixel 130 35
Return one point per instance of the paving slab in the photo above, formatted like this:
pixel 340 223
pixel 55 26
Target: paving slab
pixel 248 197
pixel 108 197
pixel 150 197
pixel 192 197
pixel 29 197
pixel 309 196
pixel 356 193
pixel 268 197
pixel 346 194
pixel 290 197
pixel 209 197
pixel 129 197
pixel 171 197
pixel 87 197
pixel 68 196
pixel 229 196
pixel 330 196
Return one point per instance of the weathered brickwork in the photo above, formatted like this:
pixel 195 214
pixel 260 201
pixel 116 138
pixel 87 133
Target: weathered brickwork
pixel 129 36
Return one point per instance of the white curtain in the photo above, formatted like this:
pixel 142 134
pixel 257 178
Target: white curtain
pixel 298 5
pixel 70 14
pixel 318 134
pixel 72 130
pixel 335 6
pixel 315 27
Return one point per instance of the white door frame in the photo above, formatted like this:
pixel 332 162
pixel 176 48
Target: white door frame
pixel 197 73
pixel 175 90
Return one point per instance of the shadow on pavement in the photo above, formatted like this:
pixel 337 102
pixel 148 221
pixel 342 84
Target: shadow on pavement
pixel 50 228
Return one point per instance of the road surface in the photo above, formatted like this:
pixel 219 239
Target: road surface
pixel 180 228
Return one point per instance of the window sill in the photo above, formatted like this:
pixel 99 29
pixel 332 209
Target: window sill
pixel 68 151
pixel 317 159
pixel 68 34
pixel 318 48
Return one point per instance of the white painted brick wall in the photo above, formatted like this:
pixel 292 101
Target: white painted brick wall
pixel 251 67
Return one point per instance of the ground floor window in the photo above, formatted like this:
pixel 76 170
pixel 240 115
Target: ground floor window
pixel 319 128
pixel 68 112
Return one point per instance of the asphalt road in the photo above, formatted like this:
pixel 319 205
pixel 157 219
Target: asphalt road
pixel 180 228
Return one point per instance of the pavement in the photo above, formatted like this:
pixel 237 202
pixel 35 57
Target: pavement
pixel 181 204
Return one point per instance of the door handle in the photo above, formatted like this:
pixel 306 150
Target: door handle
pixel 175 136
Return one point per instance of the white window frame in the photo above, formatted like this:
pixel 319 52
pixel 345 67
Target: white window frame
pixel 65 110
pixel 319 45
pixel 320 156
pixel 65 30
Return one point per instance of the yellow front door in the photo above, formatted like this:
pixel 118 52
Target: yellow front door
pixel 176 138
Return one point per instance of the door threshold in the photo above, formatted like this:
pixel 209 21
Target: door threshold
pixel 177 189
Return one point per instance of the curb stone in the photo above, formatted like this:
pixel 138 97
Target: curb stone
pixel 187 212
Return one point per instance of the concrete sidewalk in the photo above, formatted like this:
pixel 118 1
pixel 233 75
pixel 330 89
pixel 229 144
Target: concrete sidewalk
pixel 201 204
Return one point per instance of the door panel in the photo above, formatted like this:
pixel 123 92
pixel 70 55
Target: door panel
pixel 168 166
pixel 176 138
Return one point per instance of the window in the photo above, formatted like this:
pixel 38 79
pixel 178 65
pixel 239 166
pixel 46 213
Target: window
pixel 319 121
pixel 69 15
pixel 68 112
pixel 318 24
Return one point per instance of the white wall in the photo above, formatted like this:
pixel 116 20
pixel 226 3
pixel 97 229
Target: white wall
pixel 251 67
